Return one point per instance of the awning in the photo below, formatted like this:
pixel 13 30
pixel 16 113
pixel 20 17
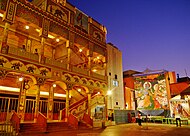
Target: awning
pixel 178 88
pixel 186 91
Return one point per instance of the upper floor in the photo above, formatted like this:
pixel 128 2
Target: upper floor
pixel 53 34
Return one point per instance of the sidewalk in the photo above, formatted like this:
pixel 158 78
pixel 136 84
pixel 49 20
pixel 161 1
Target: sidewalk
pixel 150 129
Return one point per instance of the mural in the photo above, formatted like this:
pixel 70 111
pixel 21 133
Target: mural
pixel 179 107
pixel 81 20
pixel 57 11
pixel 150 92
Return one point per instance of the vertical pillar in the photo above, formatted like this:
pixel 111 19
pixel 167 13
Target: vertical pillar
pixel 41 55
pixel 69 87
pixel 40 81
pixel 89 104
pixel 37 103
pixel 43 34
pixel 106 107
pixel 67 105
pixel 50 103
pixel 68 55
pixel 22 100
pixel 3 45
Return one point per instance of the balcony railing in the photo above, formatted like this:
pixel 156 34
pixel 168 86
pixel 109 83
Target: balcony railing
pixel 23 54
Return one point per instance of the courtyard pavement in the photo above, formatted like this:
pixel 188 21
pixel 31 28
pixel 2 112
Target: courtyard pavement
pixel 147 129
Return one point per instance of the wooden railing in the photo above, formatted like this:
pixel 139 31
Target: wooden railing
pixel 42 122
pixel 73 121
pixel 15 120
pixel 87 120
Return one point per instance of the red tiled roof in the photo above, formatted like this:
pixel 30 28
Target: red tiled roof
pixel 177 88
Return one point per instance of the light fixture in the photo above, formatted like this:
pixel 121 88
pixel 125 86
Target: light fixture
pixel 57 40
pixel 1 15
pixel 94 70
pixel 54 85
pixel 13 89
pixel 79 90
pixel 21 79
pixel 27 27
pixel 109 92
pixel 80 50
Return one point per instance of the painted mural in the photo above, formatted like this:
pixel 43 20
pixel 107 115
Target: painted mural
pixel 150 92
pixel 180 107
pixel 81 20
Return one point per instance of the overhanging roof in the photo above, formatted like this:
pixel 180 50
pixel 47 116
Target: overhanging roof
pixel 186 91
pixel 178 88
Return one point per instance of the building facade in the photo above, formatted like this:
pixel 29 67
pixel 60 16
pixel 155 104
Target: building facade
pixel 115 94
pixel 52 58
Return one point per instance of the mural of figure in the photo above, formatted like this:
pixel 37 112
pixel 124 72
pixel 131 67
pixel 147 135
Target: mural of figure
pixel 58 13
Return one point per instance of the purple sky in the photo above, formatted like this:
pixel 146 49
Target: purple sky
pixel 152 34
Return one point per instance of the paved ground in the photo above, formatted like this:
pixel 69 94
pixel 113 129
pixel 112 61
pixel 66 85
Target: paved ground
pixel 150 129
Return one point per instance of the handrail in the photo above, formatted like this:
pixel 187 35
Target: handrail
pixel 42 121
pixel 87 120
pixel 73 121
pixel 15 119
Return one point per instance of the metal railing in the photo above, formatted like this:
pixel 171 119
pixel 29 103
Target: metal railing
pixel 6 129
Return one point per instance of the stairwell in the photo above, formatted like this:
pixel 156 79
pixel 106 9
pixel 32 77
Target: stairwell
pixel 34 128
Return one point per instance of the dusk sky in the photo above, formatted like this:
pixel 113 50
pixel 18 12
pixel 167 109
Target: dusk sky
pixel 152 34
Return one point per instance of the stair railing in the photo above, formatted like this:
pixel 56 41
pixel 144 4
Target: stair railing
pixel 87 120
pixel 15 120
pixel 73 121
pixel 42 121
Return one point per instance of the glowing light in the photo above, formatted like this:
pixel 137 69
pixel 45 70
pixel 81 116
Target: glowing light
pixel 94 70
pixel 10 89
pixel 98 57
pixel 21 79
pixel 80 50
pixel 98 93
pixel 54 85
pixel 1 15
pixel 13 89
pixel 109 92
pixel 57 40
pixel 49 36
pixel 27 27
pixel 79 90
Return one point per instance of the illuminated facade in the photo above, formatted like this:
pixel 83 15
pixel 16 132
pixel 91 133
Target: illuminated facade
pixel 52 57
pixel 115 93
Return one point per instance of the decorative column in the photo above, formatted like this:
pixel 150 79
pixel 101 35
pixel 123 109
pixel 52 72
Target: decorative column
pixel 50 103
pixel 69 45
pixel 44 35
pixel 4 47
pixel 22 98
pixel 40 81
pixel 8 18
pixel 106 106
pixel 89 95
pixel 69 87
pixel 90 54
pixel 68 55
pixel 89 104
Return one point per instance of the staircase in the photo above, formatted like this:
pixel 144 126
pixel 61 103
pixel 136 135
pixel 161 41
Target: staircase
pixel 57 126
pixel 30 128
pixel 34 128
